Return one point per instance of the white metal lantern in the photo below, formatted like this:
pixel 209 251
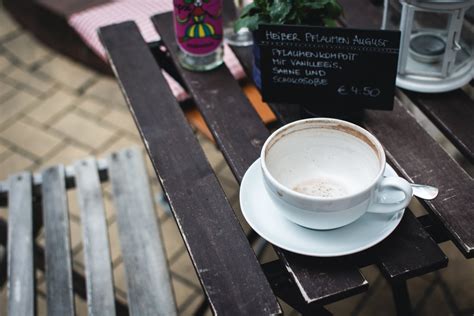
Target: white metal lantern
pixel 436 45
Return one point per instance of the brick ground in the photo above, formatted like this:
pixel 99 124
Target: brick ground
pixel 45 99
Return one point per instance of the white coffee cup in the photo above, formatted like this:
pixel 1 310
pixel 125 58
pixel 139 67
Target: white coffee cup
pixel 328 172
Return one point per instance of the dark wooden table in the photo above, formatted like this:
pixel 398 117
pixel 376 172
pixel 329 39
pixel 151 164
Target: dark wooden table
pixel 232 278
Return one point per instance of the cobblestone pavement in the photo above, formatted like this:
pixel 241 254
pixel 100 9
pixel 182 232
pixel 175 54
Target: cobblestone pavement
pixel 53 110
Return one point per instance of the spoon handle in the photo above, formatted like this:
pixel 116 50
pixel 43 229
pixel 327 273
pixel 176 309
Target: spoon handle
pixel 426 192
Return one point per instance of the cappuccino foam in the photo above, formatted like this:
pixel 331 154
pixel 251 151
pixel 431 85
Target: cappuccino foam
pixel 322 187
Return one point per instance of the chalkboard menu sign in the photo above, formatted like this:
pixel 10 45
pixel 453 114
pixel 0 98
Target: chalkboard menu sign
pixel 328 66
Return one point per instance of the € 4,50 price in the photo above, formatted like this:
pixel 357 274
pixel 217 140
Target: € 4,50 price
pixel 354 90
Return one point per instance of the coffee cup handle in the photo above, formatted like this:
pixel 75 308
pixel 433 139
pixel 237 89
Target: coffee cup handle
pixel 396 183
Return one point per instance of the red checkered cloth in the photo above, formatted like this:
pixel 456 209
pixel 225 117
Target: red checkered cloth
pixel 87 22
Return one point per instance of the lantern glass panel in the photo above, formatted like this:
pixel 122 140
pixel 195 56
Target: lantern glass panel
pixel 427 45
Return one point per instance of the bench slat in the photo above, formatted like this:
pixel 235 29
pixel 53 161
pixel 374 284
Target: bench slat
pixel 21 288
pixel 100 290
pixel 60 298
pixel 225 264
pixel 146 269
pixel 240 134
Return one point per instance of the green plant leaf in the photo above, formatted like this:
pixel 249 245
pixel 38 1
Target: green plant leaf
pixel 279 10
pixel 333 9
pixel 307 12
pixel 261 4
pixel 329 22
pixel 250 22
pixel 314 5
pixel 247 10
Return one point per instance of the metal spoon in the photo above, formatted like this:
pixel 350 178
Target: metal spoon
pixel 423 191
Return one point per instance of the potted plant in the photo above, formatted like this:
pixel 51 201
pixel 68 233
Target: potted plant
pixel 296 12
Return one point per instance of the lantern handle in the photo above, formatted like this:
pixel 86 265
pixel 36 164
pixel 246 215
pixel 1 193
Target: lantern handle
pixel 456 45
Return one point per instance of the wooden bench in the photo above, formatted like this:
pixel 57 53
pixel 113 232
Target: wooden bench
pixel 147 277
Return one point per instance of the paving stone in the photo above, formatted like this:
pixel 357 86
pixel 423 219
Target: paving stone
pixel 459 276
pixel 54 104
pixel 40 241
pixel 14 163
pixel 268 254
pixel 5 89
pixel 115 251
pixel 108 204
pixel 73 204
pixel 120 280
pixel 27 49
pixel 4 63
pixel 3 300
pixel 418 286
pixel 346 306
pixel 171 237
pixel 213 155
pixel 380 302
pixel 66 156
pixel 81 306
pixel 3 150
pixel 108 91
pixel 122 120
pixel 7 24
pixel 67 72
pixel 76 233
pixel 157 192
pixel 193 304
pixel 184 267
pixel 151 172
pixel 41 308
pixel 41 286
pixel 122 142
pixel 437 305
pixel 37 82
pixel 182 292
pixel 14 105
pixel 78 260
pixel 287 309
pixel 92 106
pixel 30 138
pixel 83 130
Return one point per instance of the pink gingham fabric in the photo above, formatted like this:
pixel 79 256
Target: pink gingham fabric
pixel 87 22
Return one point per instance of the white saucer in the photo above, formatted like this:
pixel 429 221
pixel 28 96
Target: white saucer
pixel 263 215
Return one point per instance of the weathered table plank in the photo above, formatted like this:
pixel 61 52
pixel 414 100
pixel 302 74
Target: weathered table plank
pixel 148 281
pixel 453 113
pixel 21 276
pixel 223 104
pixel 60 298
pixel 100 290
pixel 409 252
pixel 228 270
